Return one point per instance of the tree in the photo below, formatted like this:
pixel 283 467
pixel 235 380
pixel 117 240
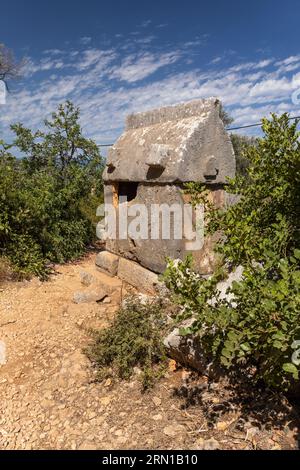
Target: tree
pixel 9 68
pixel 49 197
pixel 60 146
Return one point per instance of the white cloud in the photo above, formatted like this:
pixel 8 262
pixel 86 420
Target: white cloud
pixel 288 60
pixel 96 58
pixel 138 67
pixel 108 85
pixel 145 23
pixel 216 60
pixel 53 52
pixel 85 40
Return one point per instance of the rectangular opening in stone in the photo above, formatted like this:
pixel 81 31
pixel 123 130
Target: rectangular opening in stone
pixel 128 190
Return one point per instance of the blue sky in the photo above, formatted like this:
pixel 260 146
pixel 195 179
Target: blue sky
pixel 112 58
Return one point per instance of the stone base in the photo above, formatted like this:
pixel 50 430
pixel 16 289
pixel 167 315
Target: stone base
pixel 134 274
pixel 139 277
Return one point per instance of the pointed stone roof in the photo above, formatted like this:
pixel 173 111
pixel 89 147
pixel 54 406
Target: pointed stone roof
pixel 181 143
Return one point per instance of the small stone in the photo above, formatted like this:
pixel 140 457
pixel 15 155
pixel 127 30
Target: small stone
pixel 157 417
pixel 17 428
pixel 251 432
pixel 86 278
pixel 208 444
pixel 222 425
pixel 172 366
pixel 105 401
pixel 173 430
pixel 156 401
pixel 108 383
pixel 215 400
pixel 137 371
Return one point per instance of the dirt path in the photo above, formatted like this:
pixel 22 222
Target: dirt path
pixel 48 399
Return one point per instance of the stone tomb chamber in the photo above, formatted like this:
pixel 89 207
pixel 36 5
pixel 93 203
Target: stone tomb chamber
pixel 157 154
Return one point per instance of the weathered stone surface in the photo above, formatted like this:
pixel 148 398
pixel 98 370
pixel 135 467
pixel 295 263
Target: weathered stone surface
pixel 86 278
pixel 89 296
pixel 159 151
pixel 223 286
pixel 151 253
pixel 186 350
pixel 137 276
pixel 107 262
pixel 186 142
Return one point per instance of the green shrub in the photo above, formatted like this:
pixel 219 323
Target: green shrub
pixel 133 340
pixel 260 327
pixel 26 257
pixel 240 145
pixel 48 198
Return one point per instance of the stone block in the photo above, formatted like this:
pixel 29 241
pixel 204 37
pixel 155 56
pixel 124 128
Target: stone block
pixel 89 296
pixel 137 276
pixel 107 262
pixel 187 351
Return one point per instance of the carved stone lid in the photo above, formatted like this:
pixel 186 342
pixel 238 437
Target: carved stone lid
pixel 181 143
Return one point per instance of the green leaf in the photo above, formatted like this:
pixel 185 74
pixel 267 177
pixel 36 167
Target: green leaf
pixel 185 331
pixel 291 369
pixel 297 253
pixel 277 344
pixel 279 335
pixel 230 345
pixel 246 347
pixel 226 353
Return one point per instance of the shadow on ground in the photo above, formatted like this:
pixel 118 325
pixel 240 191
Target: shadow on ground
pixel 246 406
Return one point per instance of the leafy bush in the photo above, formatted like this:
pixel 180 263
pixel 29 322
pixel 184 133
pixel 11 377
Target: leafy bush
pixel 240 144
pixel 133 340
pixel 259 327
pixel 48 196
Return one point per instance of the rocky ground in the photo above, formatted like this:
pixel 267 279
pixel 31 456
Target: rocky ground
pixel 50 400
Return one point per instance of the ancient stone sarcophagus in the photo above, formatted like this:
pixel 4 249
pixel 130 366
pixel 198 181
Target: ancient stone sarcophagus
pixel 158 152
